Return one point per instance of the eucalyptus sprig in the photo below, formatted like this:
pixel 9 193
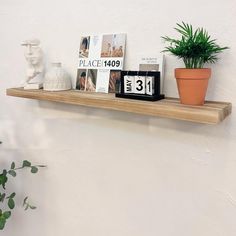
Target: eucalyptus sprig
pixel 195 47
pixel 7 201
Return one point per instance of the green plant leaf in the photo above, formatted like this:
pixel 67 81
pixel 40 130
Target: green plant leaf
pixel 3 178
pixel 13 165
pixel 6 214
pixel 33 207
pixel 2 222
pixel 12 173
pixel 11 203
pixel 26 163
pixel 12 195
pixel 34 169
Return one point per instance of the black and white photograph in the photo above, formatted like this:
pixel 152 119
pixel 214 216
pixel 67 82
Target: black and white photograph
pixel 84 47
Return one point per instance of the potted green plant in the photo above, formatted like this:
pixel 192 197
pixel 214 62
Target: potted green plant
pixel 195 48
pixel 7 200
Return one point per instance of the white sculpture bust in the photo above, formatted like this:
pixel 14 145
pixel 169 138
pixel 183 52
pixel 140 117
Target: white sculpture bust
pixel 34 58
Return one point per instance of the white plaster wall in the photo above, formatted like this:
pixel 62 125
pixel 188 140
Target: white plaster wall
pixel 113 173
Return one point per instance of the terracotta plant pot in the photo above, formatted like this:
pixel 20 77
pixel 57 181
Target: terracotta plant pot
pixel 192 85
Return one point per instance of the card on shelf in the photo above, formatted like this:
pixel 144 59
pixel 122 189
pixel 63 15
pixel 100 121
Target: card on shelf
pixel 153 63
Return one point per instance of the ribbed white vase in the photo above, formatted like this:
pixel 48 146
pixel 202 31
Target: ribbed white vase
pixel 57 79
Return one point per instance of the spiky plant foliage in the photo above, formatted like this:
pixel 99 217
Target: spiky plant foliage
pixel 195 47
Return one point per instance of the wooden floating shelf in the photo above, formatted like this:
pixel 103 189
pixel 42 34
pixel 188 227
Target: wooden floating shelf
pixel 209 113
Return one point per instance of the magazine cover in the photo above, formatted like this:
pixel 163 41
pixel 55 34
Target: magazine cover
pixel 101 57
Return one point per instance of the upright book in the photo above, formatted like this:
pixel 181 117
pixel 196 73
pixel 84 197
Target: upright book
pixel 101 58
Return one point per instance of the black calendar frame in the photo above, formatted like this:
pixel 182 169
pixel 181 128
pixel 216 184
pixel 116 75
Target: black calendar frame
pixel 155 97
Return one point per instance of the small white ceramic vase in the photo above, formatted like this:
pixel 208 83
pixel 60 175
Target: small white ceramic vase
pixel 57 79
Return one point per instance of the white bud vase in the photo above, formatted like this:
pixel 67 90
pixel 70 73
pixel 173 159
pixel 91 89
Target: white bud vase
pixel 57 79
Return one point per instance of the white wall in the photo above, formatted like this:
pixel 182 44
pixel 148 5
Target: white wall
pixel 113 173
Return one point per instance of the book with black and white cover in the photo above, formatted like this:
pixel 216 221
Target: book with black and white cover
pixel 101 58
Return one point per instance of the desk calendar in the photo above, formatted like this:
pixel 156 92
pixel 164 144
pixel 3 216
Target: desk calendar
pixel 142 85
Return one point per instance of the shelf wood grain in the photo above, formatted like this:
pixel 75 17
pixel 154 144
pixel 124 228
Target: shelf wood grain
pixel 210 113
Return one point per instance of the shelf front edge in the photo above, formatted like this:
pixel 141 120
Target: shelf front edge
pixel 211 113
